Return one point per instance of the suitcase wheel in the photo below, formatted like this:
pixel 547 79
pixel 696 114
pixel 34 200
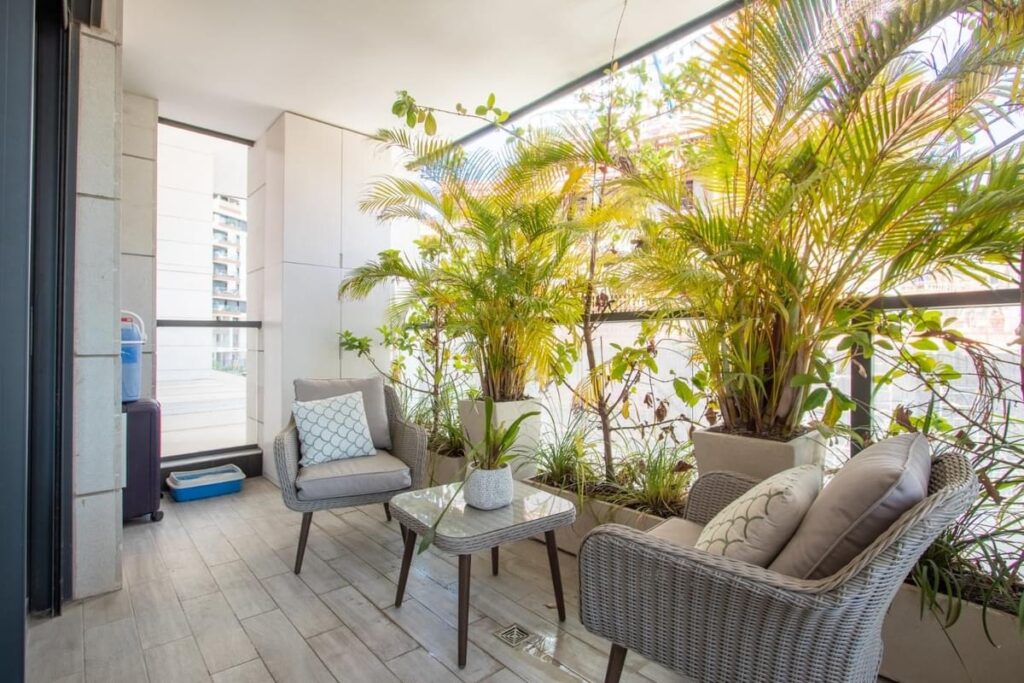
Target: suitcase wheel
pixel 156 516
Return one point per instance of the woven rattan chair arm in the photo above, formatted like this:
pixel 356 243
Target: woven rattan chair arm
pixel 286 458
pixel 409 444
pixel 712 492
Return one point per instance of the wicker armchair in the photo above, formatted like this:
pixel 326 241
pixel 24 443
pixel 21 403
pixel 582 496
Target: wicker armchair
pixel 718 619
pixel 408 444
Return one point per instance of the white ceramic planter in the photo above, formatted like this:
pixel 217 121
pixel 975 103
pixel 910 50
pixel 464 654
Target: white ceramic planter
pixel 591 513
pixel 916 650
pixel 488 489
pixel 471 413
pixel 759 458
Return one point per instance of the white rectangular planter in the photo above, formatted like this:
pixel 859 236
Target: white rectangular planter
pixel 917 650
pixel 759 458
pixel 445 470
pixel 591 513
pixel 471 415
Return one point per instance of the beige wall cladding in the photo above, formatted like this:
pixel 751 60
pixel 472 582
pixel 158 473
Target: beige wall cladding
pixel 96 276
pixel 99 118
pixel 97 440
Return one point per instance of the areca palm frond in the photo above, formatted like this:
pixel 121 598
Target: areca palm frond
pixel 837 162
pixel 503 252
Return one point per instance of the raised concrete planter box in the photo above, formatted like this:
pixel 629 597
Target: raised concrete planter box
pixel 759 458
pixel 591 513
pixel 918 651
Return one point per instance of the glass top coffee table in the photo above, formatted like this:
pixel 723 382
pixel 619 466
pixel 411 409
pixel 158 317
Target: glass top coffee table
pixel 465 530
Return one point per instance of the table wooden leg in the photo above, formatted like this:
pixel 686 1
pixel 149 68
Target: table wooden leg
pixel 556 573
pixel 403 575
pixel 494 561
pixel 464 574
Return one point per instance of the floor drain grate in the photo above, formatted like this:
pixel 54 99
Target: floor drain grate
pixel 513 635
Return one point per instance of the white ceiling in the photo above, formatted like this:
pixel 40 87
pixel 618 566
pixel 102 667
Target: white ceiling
pixel 233 65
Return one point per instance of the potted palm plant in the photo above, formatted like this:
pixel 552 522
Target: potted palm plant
pixel 833 161
pixel 506 254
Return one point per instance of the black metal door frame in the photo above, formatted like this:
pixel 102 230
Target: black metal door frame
pixel 17 79
pixel 52 284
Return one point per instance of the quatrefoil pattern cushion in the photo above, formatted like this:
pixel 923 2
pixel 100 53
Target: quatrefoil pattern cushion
pixel 757 525
pixel 332 428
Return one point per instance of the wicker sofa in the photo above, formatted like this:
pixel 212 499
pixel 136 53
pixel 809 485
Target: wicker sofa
pixel 717 619
pixel 408 445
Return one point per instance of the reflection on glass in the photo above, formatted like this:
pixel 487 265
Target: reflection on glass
pixel 201 386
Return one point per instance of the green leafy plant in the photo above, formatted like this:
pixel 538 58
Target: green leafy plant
pixel 565 458
pixel 974 410
pixel 834 161
pixel 505 256
pixel 497 448
pixel 424 365
pixel 655 476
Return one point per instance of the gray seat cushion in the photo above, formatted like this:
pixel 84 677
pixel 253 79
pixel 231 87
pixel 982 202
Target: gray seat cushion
pixel 372 389
pixel 863 499
pixel 353 477
pixel 677 530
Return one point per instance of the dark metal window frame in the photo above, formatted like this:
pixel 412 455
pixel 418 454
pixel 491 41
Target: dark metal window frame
pixel 861 383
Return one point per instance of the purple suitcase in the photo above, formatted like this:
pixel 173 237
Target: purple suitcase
pixel 141 495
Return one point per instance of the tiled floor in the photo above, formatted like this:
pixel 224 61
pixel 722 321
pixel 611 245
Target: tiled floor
pixel 209 596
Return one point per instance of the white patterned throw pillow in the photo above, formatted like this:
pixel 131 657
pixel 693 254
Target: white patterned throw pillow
pixel 756 526
pixel 332 428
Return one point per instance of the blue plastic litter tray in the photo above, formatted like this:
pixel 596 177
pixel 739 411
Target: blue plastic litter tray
pixel 213 481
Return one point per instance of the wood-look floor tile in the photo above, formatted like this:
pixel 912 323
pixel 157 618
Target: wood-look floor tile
pixel 288 657
pixel 242 590
pixel 277 530
pixel 254 671
pixel 316 573
pixel 302 607
pixel 106 608
pixel 113 653
pixel 176 662
pixel 441 640
pixel 220 637
pixel 442 601
pixel 373 627
pixel 419 667
pixel 260 557
pixel 524 660
pixel 348 658
pixel 56 646
pixel 232 525
pixel 503 676
pixel 378 589
pixel 323 544
pixel 212 545
pixel 158 614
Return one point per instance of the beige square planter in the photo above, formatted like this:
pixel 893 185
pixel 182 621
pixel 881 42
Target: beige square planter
pixel 591 513
pixel 917 650
pixel 759 458
pixel 445 470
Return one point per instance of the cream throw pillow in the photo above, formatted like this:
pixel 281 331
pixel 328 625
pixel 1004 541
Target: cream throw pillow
pixel 757 525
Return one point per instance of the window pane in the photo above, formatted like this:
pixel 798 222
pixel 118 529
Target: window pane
pixel 201 276
pixel 201 384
